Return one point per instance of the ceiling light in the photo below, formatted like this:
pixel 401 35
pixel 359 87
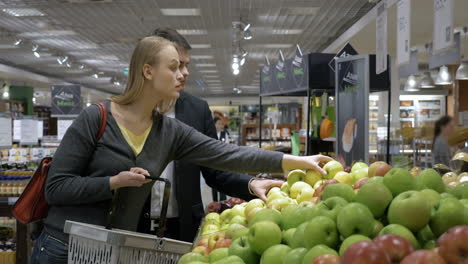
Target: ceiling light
pixel 200 46
pixel 95 75
pixel 247 35
pixel 23 12
pixel 235 66
pixel 426 81
pixel 192 31
pixel 69 64
pixel 18 42
pixel 6 95
pixel 88 104
pixel 236 71
pixel 81 67
pixel 208 71
pixel 36 54
pixel 202 57
pixel 462 71
pixel 205 65
pixel 246 27
pixel 276 46
pixel 242 61
pixel 211 76
pixel 35 47
pixel 444 77
pixel 180 11
pixel 287 31
pixel 411 84
pixel 34 100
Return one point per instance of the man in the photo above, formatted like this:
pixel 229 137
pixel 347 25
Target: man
pixel 185 205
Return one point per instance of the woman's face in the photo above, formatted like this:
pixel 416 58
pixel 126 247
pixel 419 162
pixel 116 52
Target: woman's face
pixel 165 77
pixel 219 125
pixel 449 129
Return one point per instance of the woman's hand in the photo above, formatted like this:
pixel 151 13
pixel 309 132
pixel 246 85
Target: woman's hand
pixel 260 187
pixel 305 163
pixel 133 178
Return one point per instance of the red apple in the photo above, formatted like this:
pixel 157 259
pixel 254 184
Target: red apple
pixel 213 207
pixel 214 239
pixel 396 247
pixel 203 242
pixel 223 243
pixel 357 185
pixel 378 168
pixel 423 257
pixel 347 169
pixel 225 205
pixel 326 259
pixel 319 190
pixel 234 200
pixel 453 246
pixel 202 250
pixel 365 252
pixel 331 181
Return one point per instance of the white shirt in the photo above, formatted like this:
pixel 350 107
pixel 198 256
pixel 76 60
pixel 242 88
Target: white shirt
pixel 158 188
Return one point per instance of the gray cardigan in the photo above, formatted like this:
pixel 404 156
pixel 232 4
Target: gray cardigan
pixel 77 186
pixel 441 153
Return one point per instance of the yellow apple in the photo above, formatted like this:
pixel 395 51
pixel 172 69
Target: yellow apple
pixel 344 177
pixel 312 177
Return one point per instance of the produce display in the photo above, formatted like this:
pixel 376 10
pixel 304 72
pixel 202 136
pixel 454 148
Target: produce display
pixel 370 214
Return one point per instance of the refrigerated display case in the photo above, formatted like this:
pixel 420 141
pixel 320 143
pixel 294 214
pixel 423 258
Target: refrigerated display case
pixel 421 110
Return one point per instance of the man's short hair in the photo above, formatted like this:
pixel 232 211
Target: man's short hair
pixel 173 36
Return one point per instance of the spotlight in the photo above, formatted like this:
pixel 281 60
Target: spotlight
pixel 236 71
pixel 444 77
pixel 88 104
pixel 247 35
pixel 242 61
pixel 69 64
pixel 246 27
pixel 35 47
pixel 81 67
pixel 95 75
pixel 6 95
pixel 36 54
pixel 18 42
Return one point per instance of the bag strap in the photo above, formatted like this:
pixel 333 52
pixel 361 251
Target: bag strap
pixel 103 121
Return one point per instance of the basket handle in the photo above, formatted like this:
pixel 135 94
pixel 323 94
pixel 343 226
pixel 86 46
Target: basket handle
pixel 165 205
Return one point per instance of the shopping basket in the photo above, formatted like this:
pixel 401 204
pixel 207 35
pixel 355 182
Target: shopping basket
pixel 92 244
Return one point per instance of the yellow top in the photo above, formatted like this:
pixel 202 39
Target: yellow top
pixel 135 142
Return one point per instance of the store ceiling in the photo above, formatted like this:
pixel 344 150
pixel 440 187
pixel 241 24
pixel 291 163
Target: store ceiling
pixel 102 34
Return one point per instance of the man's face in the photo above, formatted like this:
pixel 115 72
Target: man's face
pixel 183 67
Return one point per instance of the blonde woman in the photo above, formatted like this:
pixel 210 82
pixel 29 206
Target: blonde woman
pixel 137 141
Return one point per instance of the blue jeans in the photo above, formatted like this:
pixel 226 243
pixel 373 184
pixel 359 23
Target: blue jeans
pixel 49 250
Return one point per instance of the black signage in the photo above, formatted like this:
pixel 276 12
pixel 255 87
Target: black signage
pixel 66 100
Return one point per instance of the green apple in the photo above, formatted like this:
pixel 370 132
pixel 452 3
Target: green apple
pixel 237 210
pixel 255 203
pixel 224 227
pixel 306 204
pixel 344 177
pixel 225 216
pixel 305 195
pixel 294 215
pixel 273 191
pixel 275 254
pixel 464 202
pixel 425 234
pixel 359 165
pixel 192 257
pixel 359 174
pixel 297 187
pixel 461 191
pixel 355 218
pixel 318 184
pixel 209 229
pixel 230 260
pixel 234 229
pixel 218 254
pixel 295 176
pixel 212 218
pixel 399 180
pixel 276 195
pixel 321 231
pixel 317 251
pixel 376 179
pixel 351 240
pixel 378 226
pixel 238 220
pixel 431 244
pixel 402 231
pixel 410 209
pixel 332 168
pixel 298 238
pixel 240 247
pixel 285 187
pixel 281 203
pixel 288 236
pixel 263 235
pixel 295 256
pixel 432 196
pixel 250 215
pixel 312 177
pixel 430 179
pixel 375 196
pixel 329 208
pixel 342 190
pixel 449 213
pixel 266 215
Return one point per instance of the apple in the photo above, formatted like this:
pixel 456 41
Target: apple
pixel 329 208
pixel 285 187
pixel 431 244
pixel 297 187
pixel 295 256
pixel 425 234
pixel 275 254
pixel 454 248
pixel 360 174
pixel 376 179
pixel 355 218
pixel 311 203
pixel 214 239
pixel 235 201
pixel 402 231
pixel 237 210
pixel 432 196
pixel 321 231
pixel 327 259
pixel 192 257
pixel 410 209
pixel 415 171
pixel 332 168
pixel 312 177
pixel 298 238
pixel 229 260
pixel 218 254
pixel 365 252
pixel 379 168
pixel 359 165
pixel 344 177
pixel 396 247
pixel 223 243
pixel 423 257
pixel 240 247
pixel 224 227
pixel 213 207
pixel 305 195
pixel 225 216
pixel 281 203
pixel 461 191
pixel 263 235
pixel 375 196
pixel 273 191
pixel 294 215
pixel 266 215
pixel 233 229
pixel 430 179
pixel 447 195
pixel 288 235
pixel 202 250
pixel 210 229
pixel 449 177
pixel 224 205
pixel 255 203
pixel 238 220
pixel 295 176
pixel 449 213
pixel 203 241
pixel 358 184
pixel 342 190
pixel 378 226
pixel 399 180
pixel 250 215
pixel 276 195
pixel 350 241
pixel 212 218
pixel 317 251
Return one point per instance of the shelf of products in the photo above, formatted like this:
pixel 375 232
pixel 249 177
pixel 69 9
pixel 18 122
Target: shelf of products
pixel 250 133
pixel 13 107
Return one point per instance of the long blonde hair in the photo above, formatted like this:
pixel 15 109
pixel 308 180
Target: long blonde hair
pixel 146 52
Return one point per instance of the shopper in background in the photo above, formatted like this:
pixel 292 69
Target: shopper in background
pixel 138 141
pixel 443 129
pixel 221 130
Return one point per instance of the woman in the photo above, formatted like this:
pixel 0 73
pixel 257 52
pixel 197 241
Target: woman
pixel 221 130
pixel 138 141
pixel 443 129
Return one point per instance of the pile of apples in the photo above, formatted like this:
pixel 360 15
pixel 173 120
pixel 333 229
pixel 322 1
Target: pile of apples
pixel 371 214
